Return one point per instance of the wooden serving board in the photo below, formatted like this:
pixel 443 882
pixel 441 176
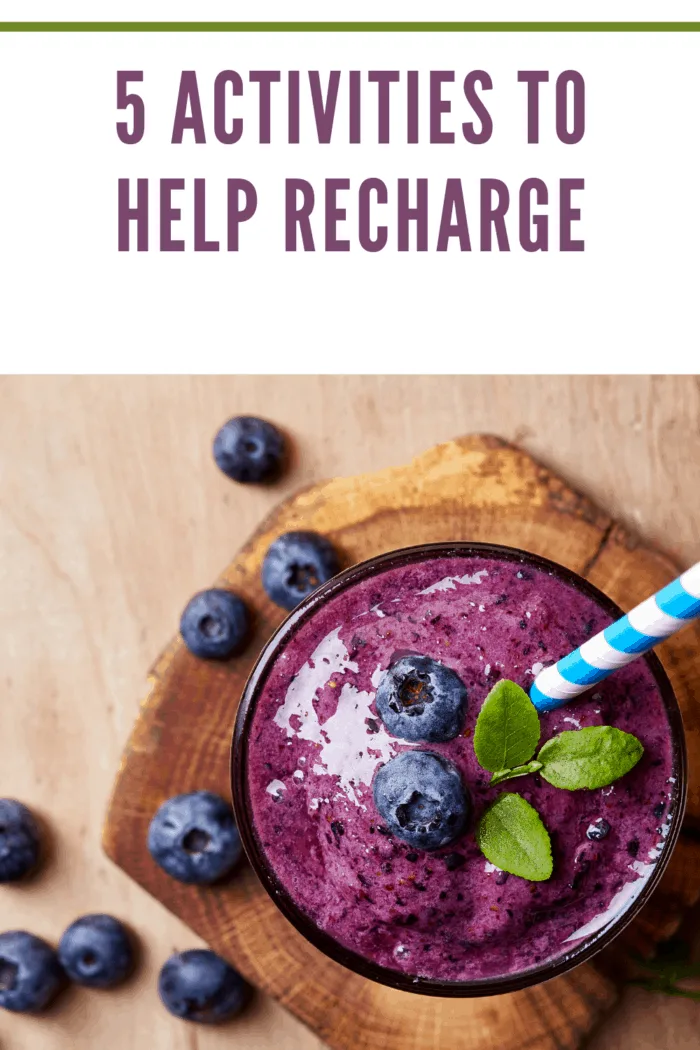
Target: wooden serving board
pixel 474 488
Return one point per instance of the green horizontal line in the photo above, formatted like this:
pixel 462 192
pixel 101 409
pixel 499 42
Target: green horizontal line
pixel 349 27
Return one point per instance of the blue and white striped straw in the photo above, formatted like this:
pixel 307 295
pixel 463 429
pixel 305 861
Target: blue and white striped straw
pixel 644 627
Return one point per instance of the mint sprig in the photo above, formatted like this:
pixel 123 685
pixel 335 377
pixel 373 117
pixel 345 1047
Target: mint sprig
pixel 519 771
pixel 512 836
pixel 673 963
pixel 589 758
pixel 505 738
pixel 507 729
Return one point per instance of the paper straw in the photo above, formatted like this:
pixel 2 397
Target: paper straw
pixel 649 623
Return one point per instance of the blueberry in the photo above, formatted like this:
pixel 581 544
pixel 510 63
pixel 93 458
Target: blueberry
pixel 422 798
pixel 19 841
pixel 214 624
pixel 194 838
pixel 201 987
pixel 249 449
pixel 598 830
pixel 30 974
pixel 454 861
pixel 421 699
pixel 96 951
pixel 295 564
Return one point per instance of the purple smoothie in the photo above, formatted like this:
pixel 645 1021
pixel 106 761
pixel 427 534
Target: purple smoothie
pixel 316 742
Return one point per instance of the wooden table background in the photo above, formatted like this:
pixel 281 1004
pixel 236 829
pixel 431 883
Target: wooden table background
pixel 112 513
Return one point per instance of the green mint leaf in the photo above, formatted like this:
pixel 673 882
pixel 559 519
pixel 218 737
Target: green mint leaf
pixel 673 952
pixel 667 989
pixel 507 729
pixel 509 774
pixel 672 962
pixel 512 836
pixel 589 758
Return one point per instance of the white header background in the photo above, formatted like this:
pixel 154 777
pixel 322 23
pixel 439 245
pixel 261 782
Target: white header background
pixel 72 302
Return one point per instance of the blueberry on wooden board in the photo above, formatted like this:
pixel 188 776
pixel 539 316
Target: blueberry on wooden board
pixel 214 624
pixel 248 449
pixel 95 951
pixel 30 973
pixel 194 838
pixel 19 841
pixel 294 566
pixel 199 986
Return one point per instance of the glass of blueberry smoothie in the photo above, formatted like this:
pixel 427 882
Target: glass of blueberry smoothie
pixel 407 808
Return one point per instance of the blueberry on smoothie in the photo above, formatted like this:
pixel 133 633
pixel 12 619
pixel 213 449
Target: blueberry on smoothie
pixel 294 566
pixel 95 951
pixel 421 797
pixel 30 974
pixel 453 861
pixel 598 830
pixel 214 624
pixel 248 449
pixel 19 841
pixel 199 986
pixel 421 699
pixel 194 838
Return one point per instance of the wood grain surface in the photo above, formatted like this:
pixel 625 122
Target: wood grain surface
pixel 476 487
pixel 112 513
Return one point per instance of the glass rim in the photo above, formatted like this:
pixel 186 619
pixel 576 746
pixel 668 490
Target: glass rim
pixel 275 888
